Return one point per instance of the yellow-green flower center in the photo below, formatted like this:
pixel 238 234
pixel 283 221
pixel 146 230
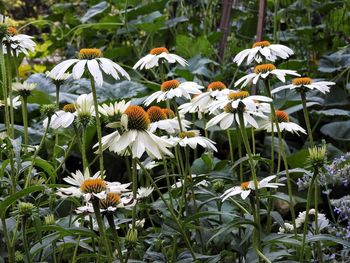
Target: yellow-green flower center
pixel 159 50
pixel 187 134
pixel 238 95
pixel 93 186
pixel 90 53
pixel 263 68
pixel 69 108
pixel 138 118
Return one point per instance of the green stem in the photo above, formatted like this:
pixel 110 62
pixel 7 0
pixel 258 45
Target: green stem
pixel 36 154
pixel 134 191
pixel 170 209
pixel 10 248
pixel 116 237
pixel 83 149
pixel 57 107
pixel 9 85
pixel 98 125
pixel 317 230
pixel 25 241
pixel 255 179
pixel 308 200
pixel 307 119
pixel 240 154
pixel 178 115
pixel 25 119
pixel 101 227
pixel 4 88
pixel 275 22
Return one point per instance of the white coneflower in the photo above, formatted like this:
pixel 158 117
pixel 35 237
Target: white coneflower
pixel 264 71
pixel 144 192
pixel 193 139
pixel 136 136
pixel 152 59
pixel 173 88
pixel 24 88
pixel 283 123
pixel 90 59
pixel 114 109
pixel 18 43
pixel 16 102
pixel 246 188
pixel 200 102
pixel 159 120
pixel 306 83
pixel 263 49
pixel 84 107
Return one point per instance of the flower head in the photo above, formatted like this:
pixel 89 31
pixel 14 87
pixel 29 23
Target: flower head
pixel 90 60
pixel 24 89
pixel 17 43
pixel 263 50
pixel 192 139
pixel 246 188
pixel 15 102
pixel 262 72
pixel 160 53
pixel 304 84
pixel 173 88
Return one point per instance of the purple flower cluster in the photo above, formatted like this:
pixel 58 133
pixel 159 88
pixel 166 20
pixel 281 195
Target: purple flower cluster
pixel 342 207
pixel 338 172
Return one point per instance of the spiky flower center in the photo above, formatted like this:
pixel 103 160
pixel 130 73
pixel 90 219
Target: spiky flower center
pixel 245 185
pixel 263 68
pixel 187 134
pixel 138 118
pixel 69 108
pixel 12 31
pixel 93 186
pixel 169 113
pixel 155 113
pixel 261 44
pixel 282 116
pixel 170 84
pixel 111 199
pixel 216 85
pixel 238 95
pixel 90 53
pixel 158 51
pixel 302 81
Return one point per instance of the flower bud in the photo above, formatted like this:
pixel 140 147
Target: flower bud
pixel 19 257
pixel 49 219
pixel 317 155
pixel 3 30
pixel 47 110
pixel 26 209
pixel 132 235
pixel 219 186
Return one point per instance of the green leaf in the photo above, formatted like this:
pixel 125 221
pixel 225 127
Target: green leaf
pixel 47 167
pixel 14 197
pixel 339 130
pixel 324 237
pixel 94 10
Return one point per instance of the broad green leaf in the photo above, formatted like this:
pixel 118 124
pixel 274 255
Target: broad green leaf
pixel 94 10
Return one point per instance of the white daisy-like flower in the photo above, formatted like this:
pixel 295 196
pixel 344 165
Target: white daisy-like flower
pixel 138 223
pixel 114 109
pixel 16 102
pixel 90 59
pixel 264 71
pixel 84 185
pixel 247 187
pixel 238 102
pixel 84 106
pixel 287 228
pixel 163 119
pixel 261 50
pixel 25 86
pixel 323 222
pixel 192 139
pixel 203 183
pixel 152 59
pixel 306 83
pixel 136 136
pixel 144 192
pixel 62 78
pixel 18 43
pixel 200 102
pixel 173 88
pixel 283 123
